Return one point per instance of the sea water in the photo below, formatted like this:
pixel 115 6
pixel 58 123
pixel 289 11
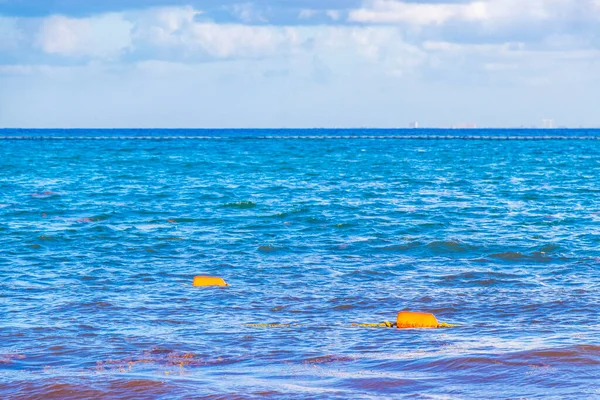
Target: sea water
pixel 100 241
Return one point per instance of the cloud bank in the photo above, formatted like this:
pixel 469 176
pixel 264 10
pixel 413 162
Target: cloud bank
pixel 371 63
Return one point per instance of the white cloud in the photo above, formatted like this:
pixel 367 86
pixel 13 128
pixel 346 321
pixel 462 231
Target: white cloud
pixel 162 26
pixel 226 41
pixel 480 49
pixel 18 69
pixel 334 14
pixel 103 36
pixel 184 34
pixel 248 12
pixel 62 35
pixel 383 48
pixel 178 33
pixel 397 48
pixel 307 14
pixel 495 67
pixel 10 33
pixel 237 93
pixel 389 11
pixel 195 40
pixel 483 11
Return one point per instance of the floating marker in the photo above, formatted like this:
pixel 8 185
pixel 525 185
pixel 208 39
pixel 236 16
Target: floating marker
pixel 407 319
pixel 384 324
pixel 209 281
pixel 271 325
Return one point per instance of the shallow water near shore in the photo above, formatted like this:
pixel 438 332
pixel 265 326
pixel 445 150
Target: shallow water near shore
pixel 100 241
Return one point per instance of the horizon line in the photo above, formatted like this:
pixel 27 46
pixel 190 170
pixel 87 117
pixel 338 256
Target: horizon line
pixel 304 129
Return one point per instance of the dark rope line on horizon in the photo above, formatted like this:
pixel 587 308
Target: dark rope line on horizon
pixel 295 137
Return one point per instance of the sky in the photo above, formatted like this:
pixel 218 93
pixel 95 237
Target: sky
pixel 298 63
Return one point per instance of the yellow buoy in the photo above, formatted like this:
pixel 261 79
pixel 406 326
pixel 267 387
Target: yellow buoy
pixel 209 281
pixel 407 319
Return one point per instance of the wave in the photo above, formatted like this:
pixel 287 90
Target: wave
pixel 45 195
pixel 286 214
pixel 182 220
pixel 328 359
pixel 379 385
pixel 437 247
pixel 400 247
pixel 574 356
pixel 449 246
pixel 85 389
pixel 483 278
pixel 269 249
pixel 241 205
pixel 540 257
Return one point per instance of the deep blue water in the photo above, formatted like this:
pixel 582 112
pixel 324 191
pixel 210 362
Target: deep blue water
pixel 253 133
pixel 100 241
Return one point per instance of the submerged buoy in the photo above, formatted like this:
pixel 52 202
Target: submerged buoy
pixel 408 319
pixel 209 281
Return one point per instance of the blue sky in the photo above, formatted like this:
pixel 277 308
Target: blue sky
pixel 299 63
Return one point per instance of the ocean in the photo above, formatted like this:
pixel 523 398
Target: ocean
pixel 100 241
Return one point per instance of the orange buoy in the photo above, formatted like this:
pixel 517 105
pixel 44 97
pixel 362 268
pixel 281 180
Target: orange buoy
pixel 407 319
pixel 209 281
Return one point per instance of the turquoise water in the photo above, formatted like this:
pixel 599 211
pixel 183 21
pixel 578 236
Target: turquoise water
pixel 100 241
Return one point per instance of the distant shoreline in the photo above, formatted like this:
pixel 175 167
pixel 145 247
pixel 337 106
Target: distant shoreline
pixel 297 133
pixel 420 129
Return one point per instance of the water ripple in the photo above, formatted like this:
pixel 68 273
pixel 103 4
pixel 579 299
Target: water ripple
pixel 100 240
